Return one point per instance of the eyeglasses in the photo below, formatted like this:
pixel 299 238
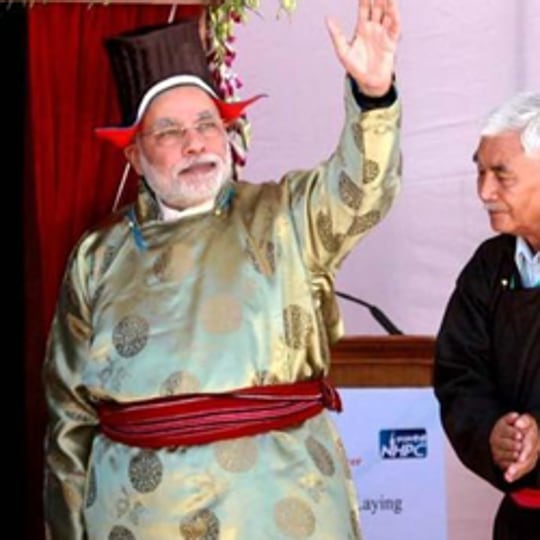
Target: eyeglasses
pixel 174 134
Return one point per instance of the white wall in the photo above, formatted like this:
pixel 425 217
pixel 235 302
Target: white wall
pixel 457 60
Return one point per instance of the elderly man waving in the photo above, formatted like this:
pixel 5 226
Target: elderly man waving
pixel 187 361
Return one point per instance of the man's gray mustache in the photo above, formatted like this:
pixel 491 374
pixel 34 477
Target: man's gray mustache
pixel 200 160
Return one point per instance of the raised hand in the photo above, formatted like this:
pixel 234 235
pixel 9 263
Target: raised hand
pixel 369 57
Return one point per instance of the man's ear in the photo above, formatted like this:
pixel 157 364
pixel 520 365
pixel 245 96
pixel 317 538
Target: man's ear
pixel 133 155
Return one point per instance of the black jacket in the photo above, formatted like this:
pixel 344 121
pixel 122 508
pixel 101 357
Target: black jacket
pixel 487 358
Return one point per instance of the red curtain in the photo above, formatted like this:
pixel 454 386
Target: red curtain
pixel 71 178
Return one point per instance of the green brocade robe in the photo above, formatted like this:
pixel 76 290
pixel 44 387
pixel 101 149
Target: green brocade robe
pixel 238 296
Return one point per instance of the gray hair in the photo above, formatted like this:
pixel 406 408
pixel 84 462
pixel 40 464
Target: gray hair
pixel 520 113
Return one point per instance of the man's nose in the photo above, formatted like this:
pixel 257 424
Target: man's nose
pixel 193 143
pixel 487 186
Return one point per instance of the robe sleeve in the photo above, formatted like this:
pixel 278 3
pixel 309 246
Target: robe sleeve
pixel 334 205
pixel 72 419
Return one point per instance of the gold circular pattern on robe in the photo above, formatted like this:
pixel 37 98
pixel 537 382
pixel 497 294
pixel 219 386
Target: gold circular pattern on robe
pixel 91 490
pixel 298 326
pixel 382 128
pixel 361 224
pixel 130 335
pixel 204 525
pixel 174 263
pixel 358 136
pixel 145 471
pixel 252 257
pixel 221 314
pixel 179 382
pixel 320 456
pixel 162 262
pixel 342 457
pixel 119 532
pixel 371 171
pixel 266 267
pixel 340 157
pixel 294 518
pixel 237 455
pixel 349 192
pixel 329 240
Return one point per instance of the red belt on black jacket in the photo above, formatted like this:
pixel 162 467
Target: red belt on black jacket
pixel 527 498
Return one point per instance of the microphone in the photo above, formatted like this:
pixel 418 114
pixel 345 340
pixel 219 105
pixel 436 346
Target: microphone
pixel 377 314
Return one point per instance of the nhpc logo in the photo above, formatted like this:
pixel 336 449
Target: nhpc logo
pixel 403 443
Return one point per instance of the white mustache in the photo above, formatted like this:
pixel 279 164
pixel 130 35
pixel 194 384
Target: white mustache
pixel 206 159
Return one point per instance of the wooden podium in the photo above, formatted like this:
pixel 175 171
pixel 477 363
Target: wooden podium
pixel 382 361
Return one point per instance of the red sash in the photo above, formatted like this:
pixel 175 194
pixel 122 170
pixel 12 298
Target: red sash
pixel 189 419
pixel 527 498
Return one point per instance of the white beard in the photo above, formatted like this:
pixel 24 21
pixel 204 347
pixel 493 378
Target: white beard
pixel 181 191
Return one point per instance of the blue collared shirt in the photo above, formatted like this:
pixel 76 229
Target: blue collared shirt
pixel 528 264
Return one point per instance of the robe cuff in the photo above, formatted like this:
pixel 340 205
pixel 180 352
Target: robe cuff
pixel 368 103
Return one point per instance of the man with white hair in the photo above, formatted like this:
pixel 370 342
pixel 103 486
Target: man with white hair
pixel 186 375
pixel 487 360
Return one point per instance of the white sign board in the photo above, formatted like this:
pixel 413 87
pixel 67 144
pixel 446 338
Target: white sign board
pixel 395 445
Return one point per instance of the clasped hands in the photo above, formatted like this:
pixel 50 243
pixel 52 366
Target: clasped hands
pixel 515 444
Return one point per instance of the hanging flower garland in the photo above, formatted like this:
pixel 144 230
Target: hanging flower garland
pixel 221 19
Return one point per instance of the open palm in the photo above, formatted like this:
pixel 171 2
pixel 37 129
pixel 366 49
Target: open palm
pixel 369 57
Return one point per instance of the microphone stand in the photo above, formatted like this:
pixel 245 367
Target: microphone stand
pixel 376 313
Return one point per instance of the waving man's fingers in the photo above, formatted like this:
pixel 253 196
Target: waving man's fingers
pixel 338 38
pixel 378 9
pixel 364 13
pixel 391 20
